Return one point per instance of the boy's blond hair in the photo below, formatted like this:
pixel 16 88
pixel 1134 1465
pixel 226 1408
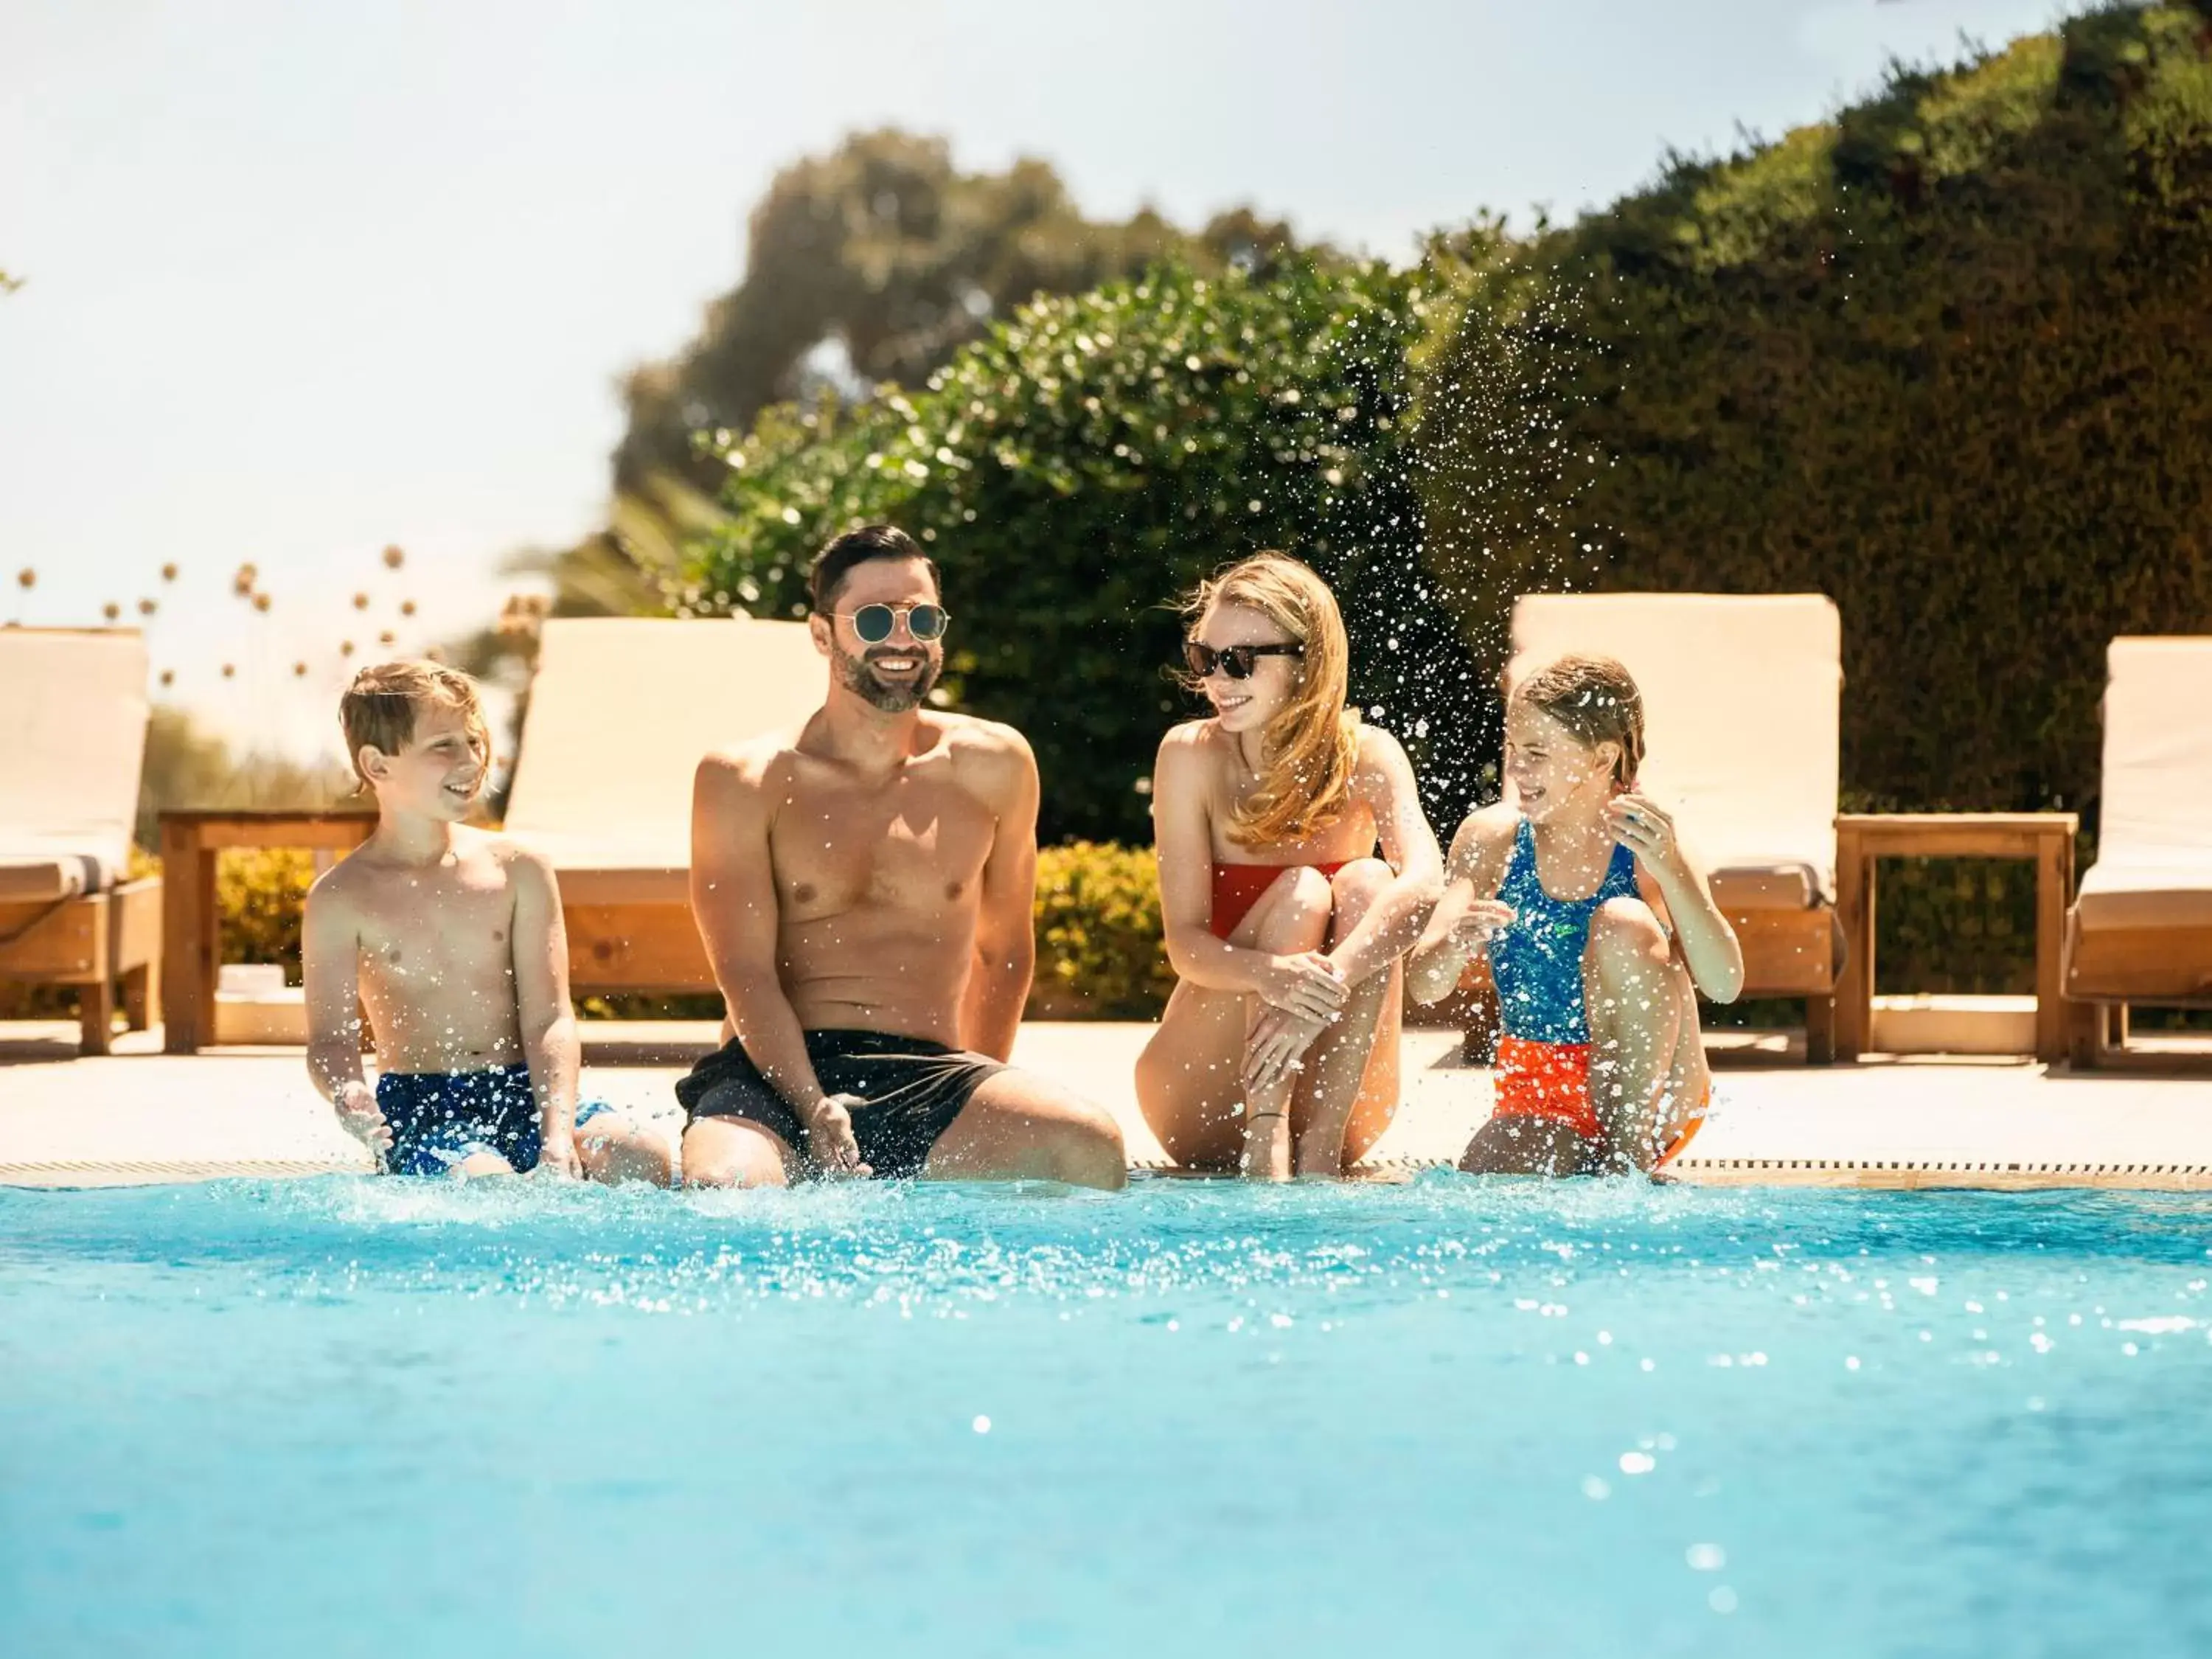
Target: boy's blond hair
pixel 379 709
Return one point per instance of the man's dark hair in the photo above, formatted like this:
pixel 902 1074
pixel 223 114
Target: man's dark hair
pixel 857 547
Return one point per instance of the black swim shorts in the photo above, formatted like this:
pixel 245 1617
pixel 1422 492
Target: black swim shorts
pixel 913 1088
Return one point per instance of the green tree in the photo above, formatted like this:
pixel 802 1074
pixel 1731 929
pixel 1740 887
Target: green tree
pixel 1092 457
pixel 867 267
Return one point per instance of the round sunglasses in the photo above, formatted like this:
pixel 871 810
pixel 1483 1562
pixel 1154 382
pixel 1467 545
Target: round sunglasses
pixel 874 622
pixel 1237 661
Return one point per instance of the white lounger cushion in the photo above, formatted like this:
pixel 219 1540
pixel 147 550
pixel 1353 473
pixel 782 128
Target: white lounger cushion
pixel 72 738
pixel 2153 865
pixel 621 713
pixel 1743 702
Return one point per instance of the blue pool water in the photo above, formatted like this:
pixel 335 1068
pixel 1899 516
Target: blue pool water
pixel 350 1417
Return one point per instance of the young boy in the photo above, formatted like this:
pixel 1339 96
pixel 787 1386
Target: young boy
pixel 451 937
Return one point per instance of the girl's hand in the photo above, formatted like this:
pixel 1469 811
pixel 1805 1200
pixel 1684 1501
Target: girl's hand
pixel 1485 918
pixel 1307 985
pixel 1646 828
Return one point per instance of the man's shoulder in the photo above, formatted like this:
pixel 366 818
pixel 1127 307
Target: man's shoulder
pixel 752 760
pixel 986 750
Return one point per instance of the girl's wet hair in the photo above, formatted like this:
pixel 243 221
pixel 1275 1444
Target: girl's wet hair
pixel 1597 699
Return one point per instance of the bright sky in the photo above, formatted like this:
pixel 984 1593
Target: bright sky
pixel 307 280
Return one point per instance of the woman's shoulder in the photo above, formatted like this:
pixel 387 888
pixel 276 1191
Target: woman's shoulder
pixel 1190 757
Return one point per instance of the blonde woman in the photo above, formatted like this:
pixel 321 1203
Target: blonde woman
pixel 1279 1050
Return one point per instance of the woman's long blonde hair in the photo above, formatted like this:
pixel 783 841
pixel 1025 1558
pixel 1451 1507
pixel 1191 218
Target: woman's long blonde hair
pixel 1307 750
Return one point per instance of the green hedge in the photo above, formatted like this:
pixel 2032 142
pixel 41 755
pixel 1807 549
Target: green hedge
pixel 1098 950
pixel 1944 359
pixel 1098 953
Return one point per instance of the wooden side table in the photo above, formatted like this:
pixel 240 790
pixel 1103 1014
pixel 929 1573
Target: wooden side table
pixel 1863 837
pixel 189 842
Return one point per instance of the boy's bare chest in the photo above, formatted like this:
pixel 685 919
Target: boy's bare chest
pixel 432 923
pixel 917 841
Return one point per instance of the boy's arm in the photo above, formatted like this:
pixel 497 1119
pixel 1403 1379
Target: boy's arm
pixel 330 964
pixel 542 1008
pixel 733 900
pixel 1005 925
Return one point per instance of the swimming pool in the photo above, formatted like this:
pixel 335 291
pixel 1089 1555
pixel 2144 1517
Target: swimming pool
pixel 353 1417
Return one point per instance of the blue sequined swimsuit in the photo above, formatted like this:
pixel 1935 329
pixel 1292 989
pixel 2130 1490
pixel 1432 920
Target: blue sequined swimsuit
pixel 1538 961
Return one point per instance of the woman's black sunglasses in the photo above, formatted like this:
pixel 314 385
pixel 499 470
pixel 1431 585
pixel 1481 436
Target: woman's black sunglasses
pixel 874 622
pixel 1237 661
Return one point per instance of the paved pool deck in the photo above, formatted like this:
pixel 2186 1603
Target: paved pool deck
pixel 140 1116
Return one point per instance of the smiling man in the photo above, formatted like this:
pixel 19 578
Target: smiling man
pixel 864 885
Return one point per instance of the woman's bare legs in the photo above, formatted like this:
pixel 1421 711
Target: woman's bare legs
pixel 1189 1077
pixel 1338 1078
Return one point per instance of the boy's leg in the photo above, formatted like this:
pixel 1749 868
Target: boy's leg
pixel 614 1147
pixel 1633 998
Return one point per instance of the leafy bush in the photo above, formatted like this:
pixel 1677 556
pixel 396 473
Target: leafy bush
pixel 1087 460
pixel 260 897
pixel 1943 359
pixel 1098 948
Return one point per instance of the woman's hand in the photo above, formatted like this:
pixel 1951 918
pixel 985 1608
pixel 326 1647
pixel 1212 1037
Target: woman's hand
pixel 1277 1047
pixel 1307 986
pixel 1647 829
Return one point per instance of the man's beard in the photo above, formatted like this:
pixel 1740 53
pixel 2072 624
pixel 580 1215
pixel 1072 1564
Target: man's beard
pixel 857 676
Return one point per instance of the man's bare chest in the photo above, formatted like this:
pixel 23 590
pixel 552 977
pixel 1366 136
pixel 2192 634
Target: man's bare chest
pixel 915 843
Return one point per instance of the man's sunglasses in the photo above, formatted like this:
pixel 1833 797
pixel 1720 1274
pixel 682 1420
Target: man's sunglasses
pixel 874 622
pixel 1237 661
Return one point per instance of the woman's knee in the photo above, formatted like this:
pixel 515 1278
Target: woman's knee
pixel 1354 888
pixel 1299 907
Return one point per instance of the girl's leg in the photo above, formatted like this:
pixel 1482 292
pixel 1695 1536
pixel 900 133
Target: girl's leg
pixel 1190 1076
pixel 1526 1145
pixel 1633 996
pixel 1356 1059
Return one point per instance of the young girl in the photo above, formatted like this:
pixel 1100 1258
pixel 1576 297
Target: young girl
pixel 1597 924
pixel 1285 927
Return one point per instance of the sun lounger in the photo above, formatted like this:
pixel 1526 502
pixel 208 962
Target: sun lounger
pixel 620 713
pixel 2140 927
pixel 1742 705
pixel 71 742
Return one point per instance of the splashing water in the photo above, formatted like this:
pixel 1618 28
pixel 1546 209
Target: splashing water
pixel 506 1418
